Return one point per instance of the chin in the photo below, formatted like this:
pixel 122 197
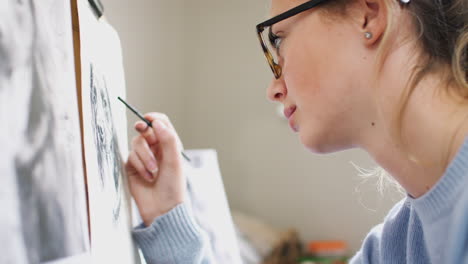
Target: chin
pixel 321 143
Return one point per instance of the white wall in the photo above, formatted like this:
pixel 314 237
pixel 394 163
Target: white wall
pixel 151 33
pixel 199 61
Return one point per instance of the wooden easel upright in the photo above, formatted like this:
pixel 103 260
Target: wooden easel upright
pixel 98 9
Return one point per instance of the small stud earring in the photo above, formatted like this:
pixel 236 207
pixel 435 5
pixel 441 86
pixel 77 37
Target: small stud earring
pixel 368 35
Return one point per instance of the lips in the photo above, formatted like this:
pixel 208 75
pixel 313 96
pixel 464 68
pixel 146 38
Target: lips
pixel 289 111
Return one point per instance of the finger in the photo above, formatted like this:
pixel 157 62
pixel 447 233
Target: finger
pixel 168 144
pixel 140 126
pixel 135 163
pixel 145 154
pixel 153 116
pixel 147 132
pixel 149 135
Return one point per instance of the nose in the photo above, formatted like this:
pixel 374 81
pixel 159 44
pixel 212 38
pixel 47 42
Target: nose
pixel 277 91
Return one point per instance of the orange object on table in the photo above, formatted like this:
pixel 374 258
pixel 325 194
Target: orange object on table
pixel 328 248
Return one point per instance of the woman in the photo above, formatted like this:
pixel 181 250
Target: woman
pixel 388 76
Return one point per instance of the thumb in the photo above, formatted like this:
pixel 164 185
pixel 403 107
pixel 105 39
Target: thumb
pixel 167 142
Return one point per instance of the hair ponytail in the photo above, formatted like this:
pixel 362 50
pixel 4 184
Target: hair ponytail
pixel 460 62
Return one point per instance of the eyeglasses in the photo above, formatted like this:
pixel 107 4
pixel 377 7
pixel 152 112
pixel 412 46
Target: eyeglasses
pixel 270 47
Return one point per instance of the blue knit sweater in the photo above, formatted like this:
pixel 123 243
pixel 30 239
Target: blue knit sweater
pixel 429 229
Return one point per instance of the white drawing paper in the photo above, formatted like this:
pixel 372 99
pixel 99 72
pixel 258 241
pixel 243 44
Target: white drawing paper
pixel 210 206
pixel 42 194
pixel 105 139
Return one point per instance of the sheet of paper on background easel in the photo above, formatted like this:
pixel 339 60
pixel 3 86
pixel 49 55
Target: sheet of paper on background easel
pixel 210 206
pixel 77 259
pixel 105 140
pixel 43 194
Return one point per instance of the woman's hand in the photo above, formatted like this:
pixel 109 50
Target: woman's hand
pixel 154 168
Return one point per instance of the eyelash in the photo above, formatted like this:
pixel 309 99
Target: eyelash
pixel 275 41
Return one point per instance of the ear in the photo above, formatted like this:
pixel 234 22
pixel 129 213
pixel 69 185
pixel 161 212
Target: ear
pixel 374 19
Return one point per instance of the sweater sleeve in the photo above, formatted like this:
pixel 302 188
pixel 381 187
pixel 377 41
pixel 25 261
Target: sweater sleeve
pixel 174 238
pixel 369 252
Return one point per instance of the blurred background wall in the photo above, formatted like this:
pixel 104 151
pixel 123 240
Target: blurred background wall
pixel 199 62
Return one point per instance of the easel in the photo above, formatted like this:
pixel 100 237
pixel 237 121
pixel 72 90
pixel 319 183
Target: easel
pixel 98 9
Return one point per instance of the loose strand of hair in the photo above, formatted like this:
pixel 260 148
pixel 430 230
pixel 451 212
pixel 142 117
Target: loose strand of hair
pixel 460 63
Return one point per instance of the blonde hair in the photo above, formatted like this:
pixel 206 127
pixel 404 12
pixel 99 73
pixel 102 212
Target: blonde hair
pixel 442 30
pixel 441 27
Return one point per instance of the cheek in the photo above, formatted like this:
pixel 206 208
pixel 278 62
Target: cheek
pixel 300 74
pixel 306 77
pixel 318 54
pixel 322 98
pixel 321 68
pixel 324 78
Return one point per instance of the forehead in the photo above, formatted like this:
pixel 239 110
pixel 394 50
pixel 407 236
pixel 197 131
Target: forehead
pixel 280 6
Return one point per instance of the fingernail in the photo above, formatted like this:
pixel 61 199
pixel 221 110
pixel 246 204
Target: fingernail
pixel 149 176
pixel 140 128
pixel 152 166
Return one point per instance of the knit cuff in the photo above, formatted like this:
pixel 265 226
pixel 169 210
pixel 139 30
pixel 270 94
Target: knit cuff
pixel 168 234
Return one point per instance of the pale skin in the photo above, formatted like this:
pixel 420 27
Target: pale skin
pixel 329 75
pixel 154 168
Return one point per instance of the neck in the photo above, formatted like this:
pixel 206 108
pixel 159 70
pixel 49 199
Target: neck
pixel 417 150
